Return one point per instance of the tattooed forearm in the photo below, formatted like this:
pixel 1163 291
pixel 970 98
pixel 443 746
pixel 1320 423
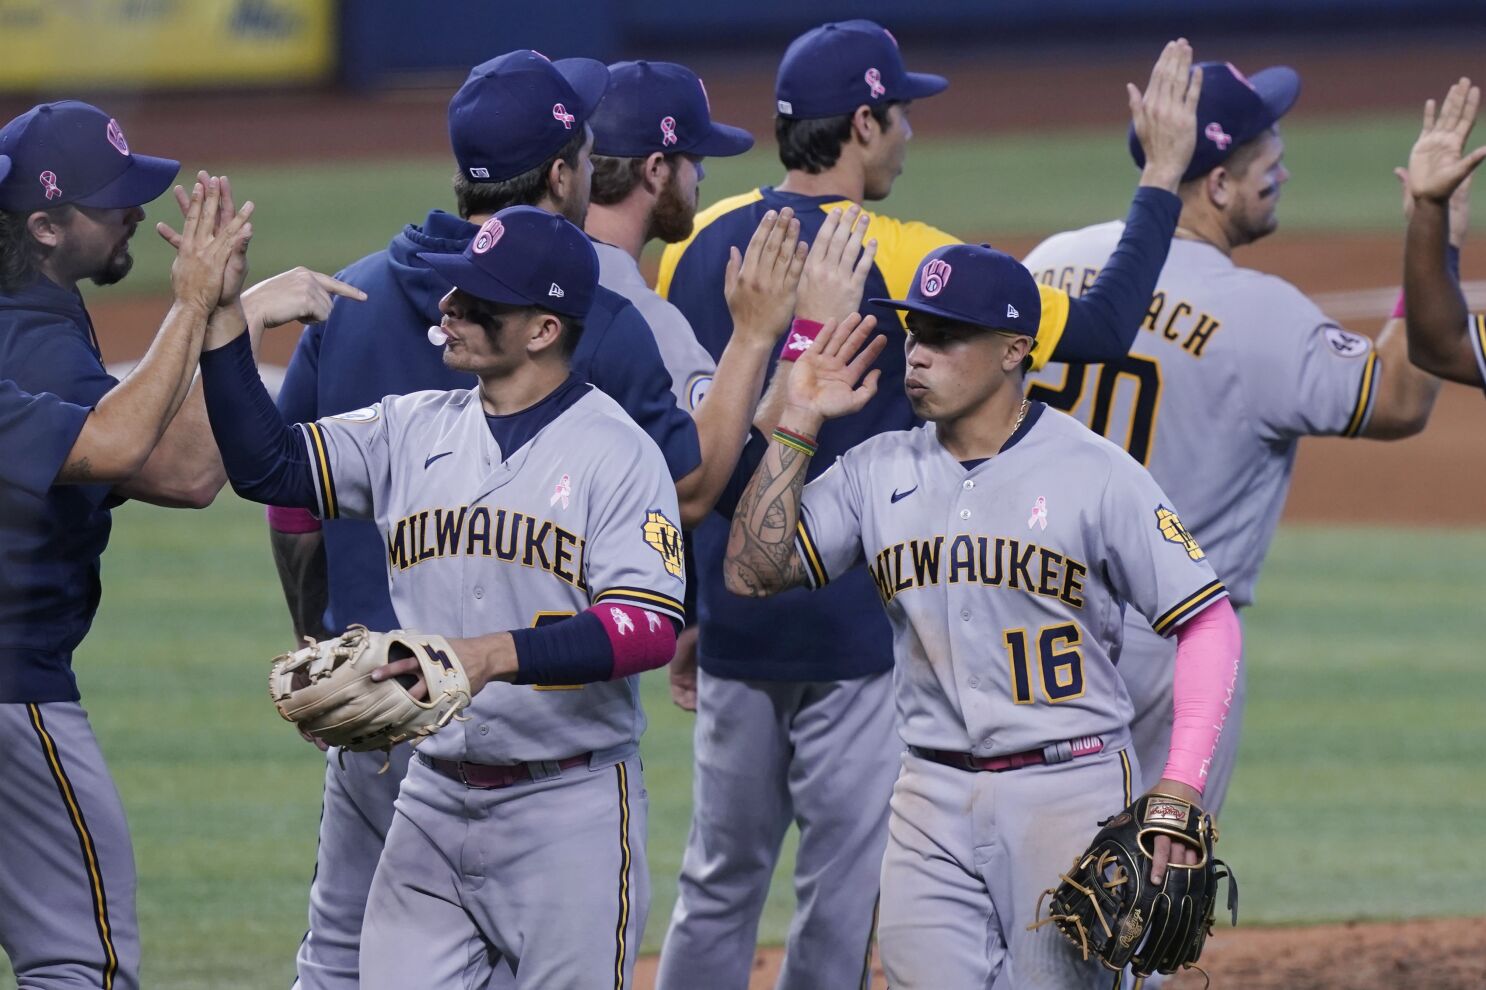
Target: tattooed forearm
pixel 300 559
pixel 761 558
pixel 76 471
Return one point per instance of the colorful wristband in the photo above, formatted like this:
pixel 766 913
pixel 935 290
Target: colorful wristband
pixel 797 441
pixel 802 334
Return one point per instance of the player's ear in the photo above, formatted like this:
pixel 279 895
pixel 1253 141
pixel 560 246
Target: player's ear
pixel 45 226
pixel 1017 349
pixel 864 126
pixel 543 333
pixel 1219 187
pixel 656 171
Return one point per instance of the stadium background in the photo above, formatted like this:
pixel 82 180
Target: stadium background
pixel 1358 810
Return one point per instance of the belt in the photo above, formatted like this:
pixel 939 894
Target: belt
pixel 1058 752
pixel 490 776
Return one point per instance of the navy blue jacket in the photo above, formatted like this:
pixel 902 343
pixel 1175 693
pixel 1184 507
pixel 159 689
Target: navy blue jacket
pixel 50 544
pixel 367 351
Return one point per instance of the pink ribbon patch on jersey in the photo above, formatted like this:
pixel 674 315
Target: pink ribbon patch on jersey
pixel 1039 514
pixel 562 492
pixel 116 137
pixel 1215 133
pixel 934 277
pixel 49 185
pixel 490 234
pixel 874 83
pixel 561 115
pixel 668 130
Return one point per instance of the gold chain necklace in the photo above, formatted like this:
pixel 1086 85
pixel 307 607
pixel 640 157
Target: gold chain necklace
pixel 1021 415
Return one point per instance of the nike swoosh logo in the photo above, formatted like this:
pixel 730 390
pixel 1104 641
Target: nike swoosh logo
pixel 900 496
pixel 436 457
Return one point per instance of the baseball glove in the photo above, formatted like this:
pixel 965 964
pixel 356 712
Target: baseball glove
pixel 326 688
pixel 1107 906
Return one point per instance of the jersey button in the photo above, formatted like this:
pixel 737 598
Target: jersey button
pixel 975 682
pixel 484 730
pixel 969 484
pixel 965 614
pixel 479 592
pixel 964 513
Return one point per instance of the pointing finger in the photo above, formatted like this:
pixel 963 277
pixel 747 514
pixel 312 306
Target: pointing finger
pixel 336 287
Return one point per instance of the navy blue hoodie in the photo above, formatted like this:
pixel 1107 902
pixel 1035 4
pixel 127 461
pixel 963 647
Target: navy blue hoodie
pixel 367 351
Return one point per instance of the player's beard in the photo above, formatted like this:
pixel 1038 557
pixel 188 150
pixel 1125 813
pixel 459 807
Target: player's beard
pixel 673 217
pixel 117 267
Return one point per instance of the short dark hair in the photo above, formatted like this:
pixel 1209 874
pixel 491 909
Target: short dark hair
pixel 527 189
pixel 17 249
pixel 815 145
pixel 615 178
pixel 490 316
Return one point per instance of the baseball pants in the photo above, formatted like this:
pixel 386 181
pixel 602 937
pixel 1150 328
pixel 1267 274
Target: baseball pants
pixel 1146 664
pixel 548 876
pixel 67 918
pixel 969 854
pixel 821 754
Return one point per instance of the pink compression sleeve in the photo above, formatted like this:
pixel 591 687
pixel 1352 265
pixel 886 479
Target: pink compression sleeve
pixel 641 639
pixel 1209 647
pixel 289 520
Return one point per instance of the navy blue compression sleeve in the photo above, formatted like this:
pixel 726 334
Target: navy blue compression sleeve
pixel 1103 322
pixel 575 650
pixel 265 458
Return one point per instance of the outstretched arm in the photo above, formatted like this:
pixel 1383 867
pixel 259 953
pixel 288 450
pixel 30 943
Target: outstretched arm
pixel 761 558
pixel 1438 179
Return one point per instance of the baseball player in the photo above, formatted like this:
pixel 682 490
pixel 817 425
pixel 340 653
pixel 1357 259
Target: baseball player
pixel 68 209
pixel 1230 368
pixel 531 517
pixel 806 679
pixel 512 147
pixel 1004 540
pixel 1443 339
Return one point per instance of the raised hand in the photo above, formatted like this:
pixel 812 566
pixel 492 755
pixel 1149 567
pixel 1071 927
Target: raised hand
pixel 298 294
pixel 237 267
pixel 1460 206
pixel 837 267
pixel 761 283
pixel 1438 163
pixel 1165 115
pixel 206 249
pixel 825 381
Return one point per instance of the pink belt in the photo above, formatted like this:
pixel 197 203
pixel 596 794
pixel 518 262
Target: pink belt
pixel 489 776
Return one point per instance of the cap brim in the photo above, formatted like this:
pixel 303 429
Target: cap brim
pixel 463 274
pixel 918 85
pixel 923 307
pixel 4 167
pixel 1278 87
pixel 722 141
pixel 144 181
pixel 589 79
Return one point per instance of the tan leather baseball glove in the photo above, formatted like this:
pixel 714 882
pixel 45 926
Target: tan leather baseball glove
pixel 326 688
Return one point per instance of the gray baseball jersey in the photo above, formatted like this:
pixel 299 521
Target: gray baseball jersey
pixel 1230 368
pixel 1005 583
pixel 689 363
pixel 479 540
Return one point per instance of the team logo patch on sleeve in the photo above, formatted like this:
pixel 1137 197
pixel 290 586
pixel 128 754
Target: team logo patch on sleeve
pixel 696 389
pixel 365 415
pixel 1172 529
pixel 662 536
pixel 1346 343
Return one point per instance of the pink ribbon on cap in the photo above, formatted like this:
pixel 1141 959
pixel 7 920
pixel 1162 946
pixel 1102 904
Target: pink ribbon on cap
pixel 49 183
pixel 668 130
pixel 1218 136
pixel 874 83
pixel 561 115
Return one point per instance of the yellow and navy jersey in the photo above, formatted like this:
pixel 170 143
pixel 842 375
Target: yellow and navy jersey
pixel 1477 332
pixel 840 632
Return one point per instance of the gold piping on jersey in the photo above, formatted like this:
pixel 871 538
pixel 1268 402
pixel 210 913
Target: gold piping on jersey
pixel 1364 396
pixel 806 548
pixel 1125 769
pixel 85 840
pixel 1480 322
pixel 1189 606
pixel 641 598
pixel 320 461
pixel 620 932
pixel 671 257
pixel 866 981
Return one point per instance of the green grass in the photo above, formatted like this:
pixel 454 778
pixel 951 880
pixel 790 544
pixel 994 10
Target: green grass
pixel 1360 795
pixel 995 186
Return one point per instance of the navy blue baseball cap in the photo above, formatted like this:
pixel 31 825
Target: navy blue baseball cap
pixel 831 70
pixel 974 283
pixel 1232 110
pixel 660 106
pixel 4 167
pixel 518 109
pixel 525 256
pixel 72 152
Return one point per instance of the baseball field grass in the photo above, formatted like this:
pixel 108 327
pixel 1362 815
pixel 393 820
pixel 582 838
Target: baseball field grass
pixel 1357 796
